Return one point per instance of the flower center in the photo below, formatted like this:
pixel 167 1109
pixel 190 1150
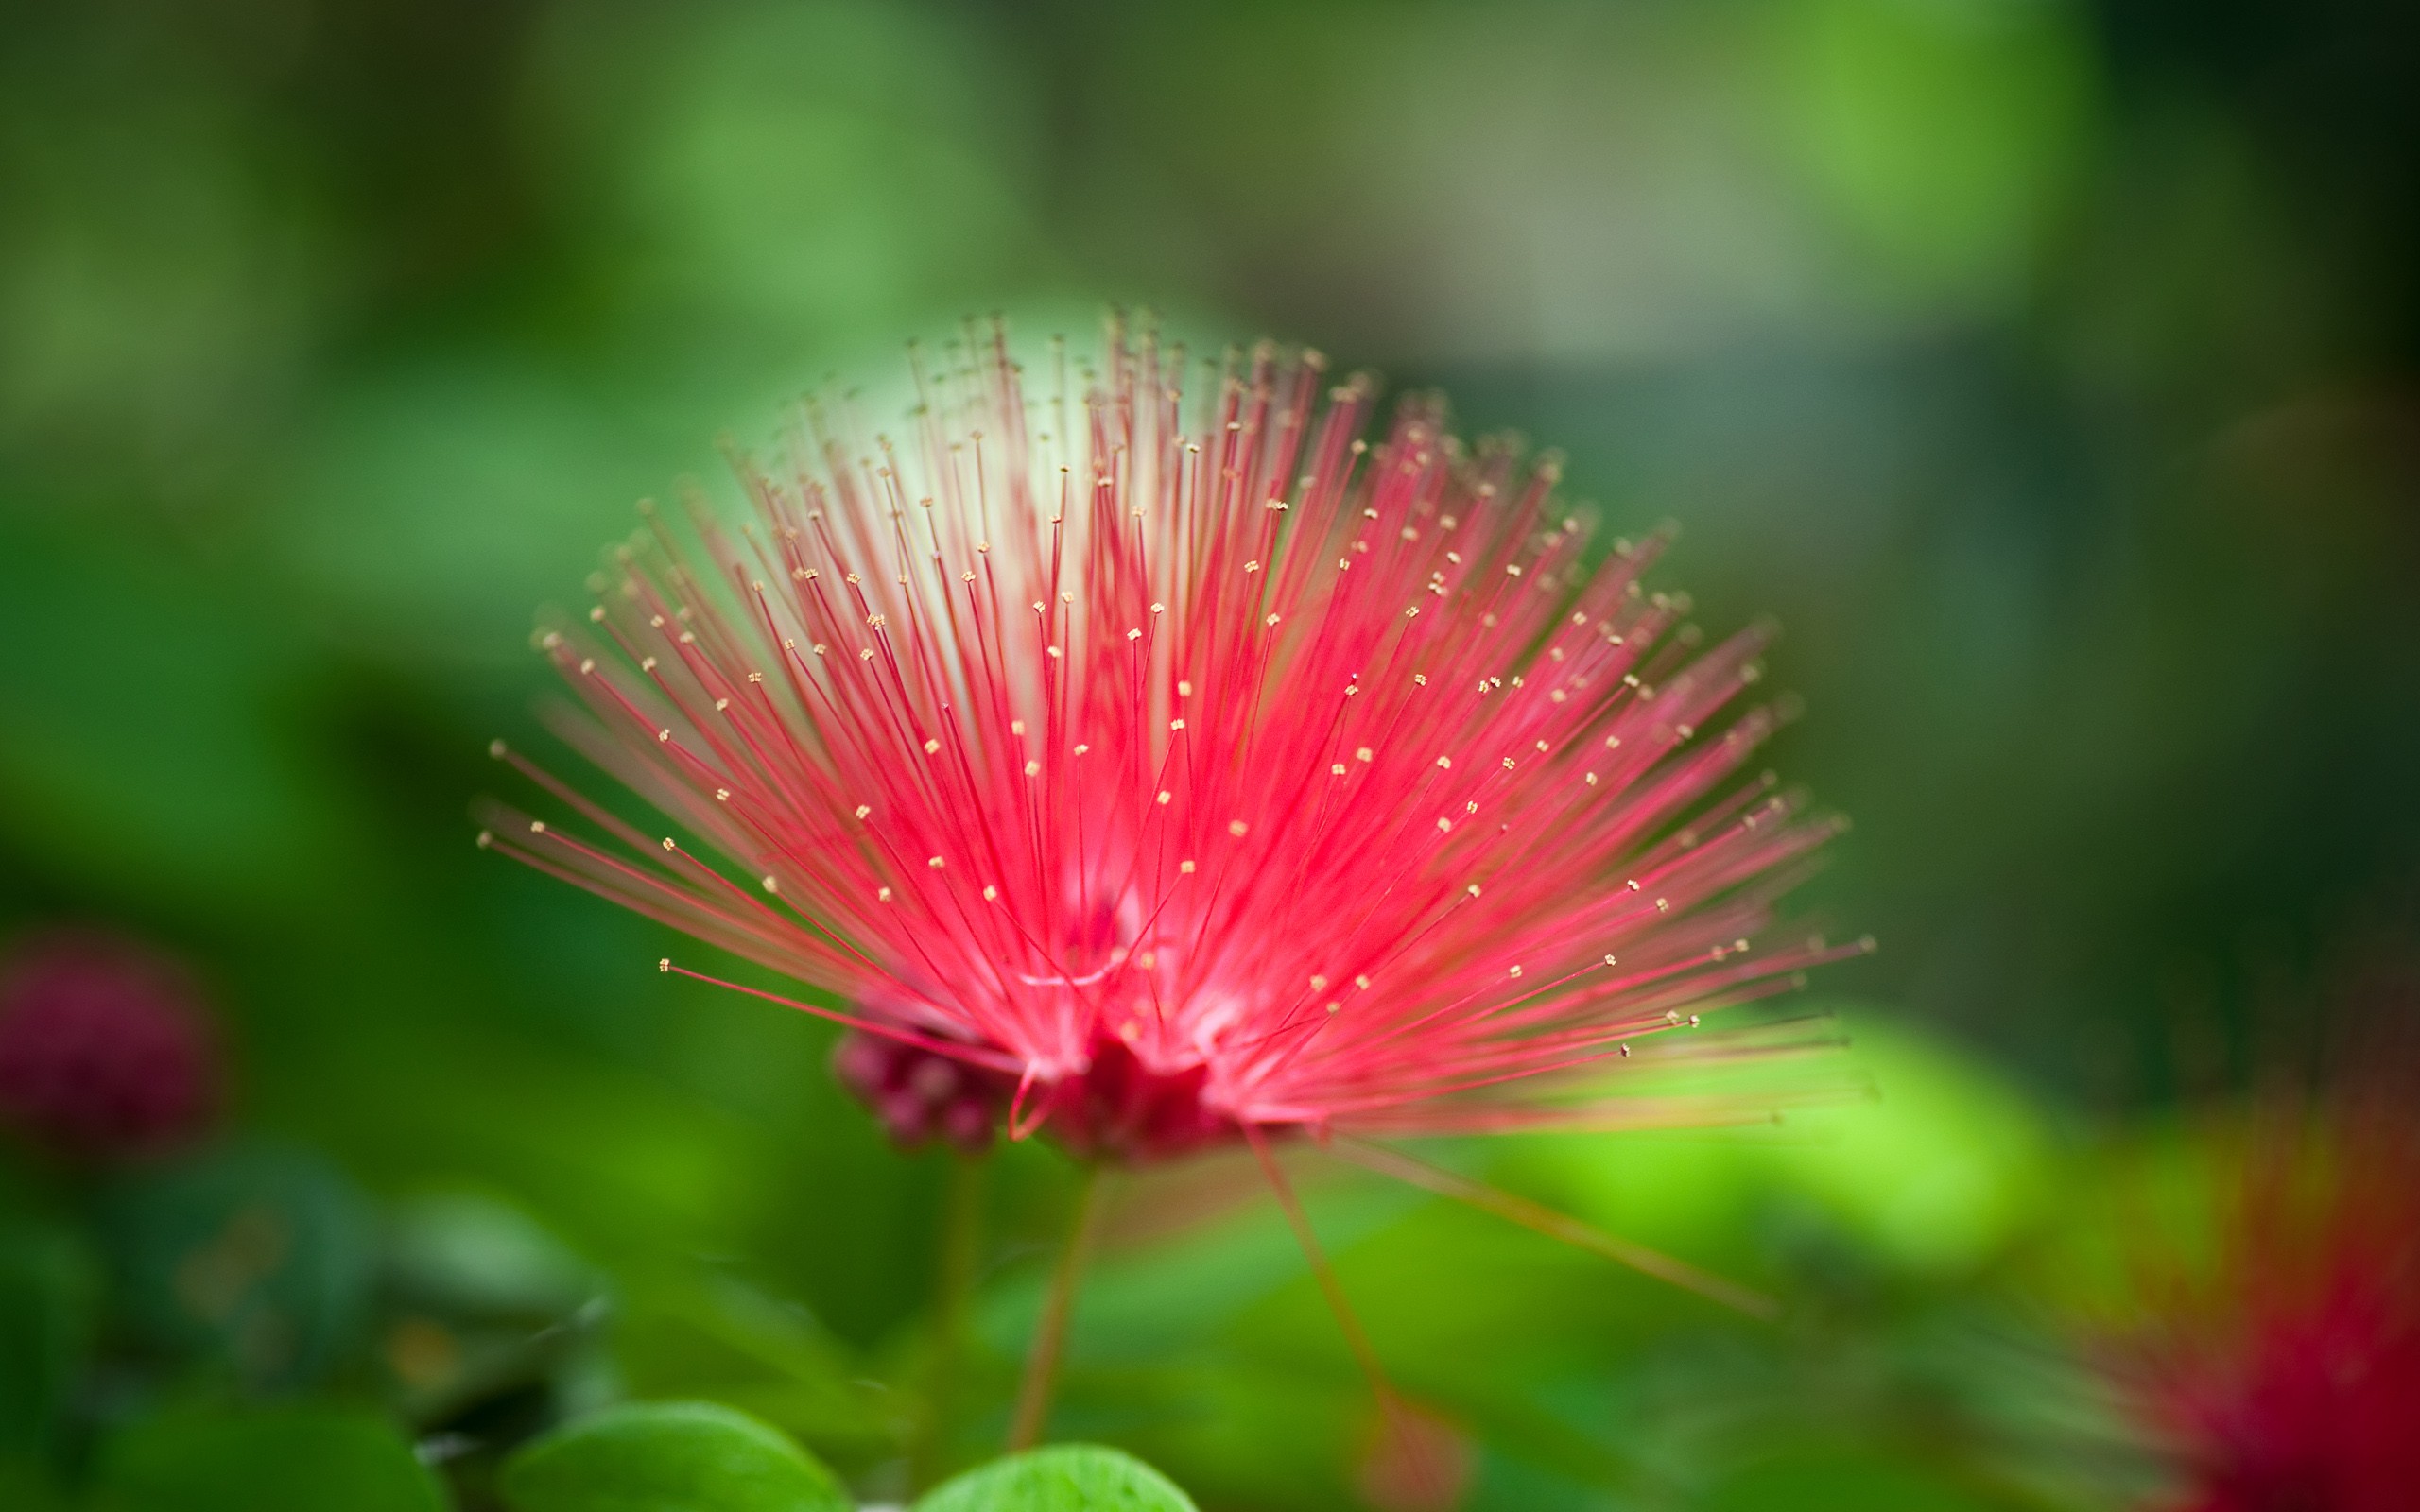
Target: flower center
pixel 1118 1109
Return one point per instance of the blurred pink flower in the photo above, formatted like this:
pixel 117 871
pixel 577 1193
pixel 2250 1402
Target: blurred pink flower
pixel 1196 769
pixel 105 1049
pixel 2286 1378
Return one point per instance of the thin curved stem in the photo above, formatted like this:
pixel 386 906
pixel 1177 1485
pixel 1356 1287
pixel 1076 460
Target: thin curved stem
pixel 1051 1329
pixel 961 1243
pixel 1545 1220
pixel 1333 1289
pixel 1433 1478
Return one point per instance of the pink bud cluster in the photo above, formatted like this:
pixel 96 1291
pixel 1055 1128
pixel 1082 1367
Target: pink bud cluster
pixel 920 1095
pixel 105 1050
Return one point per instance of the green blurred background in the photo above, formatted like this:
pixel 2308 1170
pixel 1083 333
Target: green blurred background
pixel 2047 366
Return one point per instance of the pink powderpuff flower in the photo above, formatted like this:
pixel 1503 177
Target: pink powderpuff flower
pixel 1198 767
pixel 2286 1375
pixel 105 1048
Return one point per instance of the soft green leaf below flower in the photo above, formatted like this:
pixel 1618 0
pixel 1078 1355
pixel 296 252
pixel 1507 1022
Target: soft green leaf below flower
pixel 47 1290
pixel 679 1456
pixel 293 1459
pixel 1064 1478
pixel 256 1257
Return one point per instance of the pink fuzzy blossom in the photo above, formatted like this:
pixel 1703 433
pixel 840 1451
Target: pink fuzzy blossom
pixel 1194 766
pixel 105 1047
pixel 2280 1370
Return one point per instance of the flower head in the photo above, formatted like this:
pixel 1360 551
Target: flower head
pixel 105 1050
pixel 2287 1374
pixel 1191 761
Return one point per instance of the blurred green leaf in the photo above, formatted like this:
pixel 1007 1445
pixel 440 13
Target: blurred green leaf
pixel 1932 1175
pixel 294 1459
pixel 148 749
pixel 484 1312
pixel 1944 1166
pixel 682 1456
pixel 1844 1481
pixel 714 1336
pixel 47 1290
pixel 1063 1478
pixel 440 503
pixel 257 1257
pixel 783 174
pixel 27 1484
pixel 471 1255
pixel 1940 131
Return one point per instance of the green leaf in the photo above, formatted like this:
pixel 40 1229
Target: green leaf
pixel 293 1459
pixel 257 1258
pixel 468 1255
pixel 1841 1479
pixel 47 1290
pixel 1063 1478
pixel 27 1484
pixel 676 1456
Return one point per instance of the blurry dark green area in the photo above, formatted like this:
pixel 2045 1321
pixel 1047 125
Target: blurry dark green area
pixel 2048 368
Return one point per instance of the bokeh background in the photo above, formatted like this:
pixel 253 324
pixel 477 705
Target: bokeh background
pixel 2047 366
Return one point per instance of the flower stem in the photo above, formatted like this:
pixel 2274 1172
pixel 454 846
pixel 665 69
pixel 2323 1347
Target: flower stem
pixel 1051 1329
pixel 960 1249
pixel 1333 1289
pixel 1431 1479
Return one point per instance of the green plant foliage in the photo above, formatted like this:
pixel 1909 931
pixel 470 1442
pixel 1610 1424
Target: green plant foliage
pixel 2049 378
pixel 714 1337
pixel 257 1258
pixel 47 1290
pixel 194 791
pixel 1819 1481
pixel 680 1456
pixel 1063 1478
pixel 1942 133
pixel 292 1459
pixel 471 1255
